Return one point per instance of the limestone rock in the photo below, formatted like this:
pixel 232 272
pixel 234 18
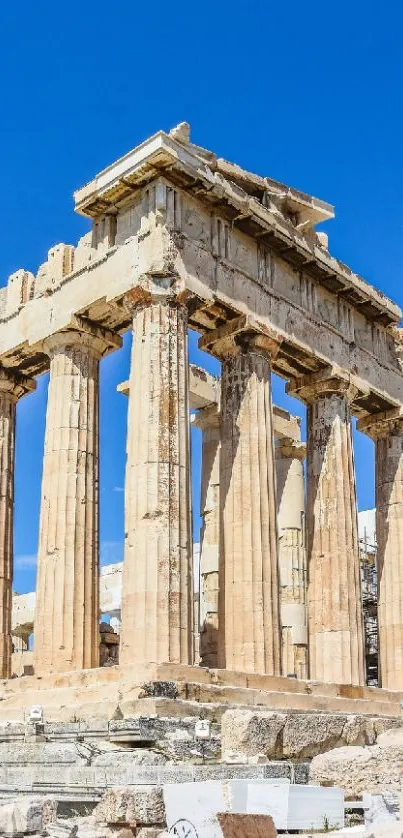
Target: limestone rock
pixel 249 733
pixel 132 805
pixel 87 827
pixel 306 734
pixel 376 769
pixel 62 829
pixel 27 816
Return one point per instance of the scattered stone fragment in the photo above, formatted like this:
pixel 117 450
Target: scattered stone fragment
pixel 62 829
pixel 134 805
pixel 377 769
pixel 248 733
pixel 251 733
pixel 27 816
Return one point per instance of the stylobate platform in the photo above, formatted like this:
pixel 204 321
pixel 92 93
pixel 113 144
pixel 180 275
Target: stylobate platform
pixel 123 691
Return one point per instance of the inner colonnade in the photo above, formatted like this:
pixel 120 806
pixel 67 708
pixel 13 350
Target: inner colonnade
pixel 182 239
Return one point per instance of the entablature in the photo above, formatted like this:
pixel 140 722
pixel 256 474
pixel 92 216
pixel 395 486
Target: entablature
pixel 232 255
pixel 218 184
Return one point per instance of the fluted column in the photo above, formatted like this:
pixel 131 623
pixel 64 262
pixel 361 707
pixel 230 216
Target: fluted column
pixel 208 421
pixel 290 454
pixel 12 387
pixel 387 431
pixel 157 584
pixel 336 649
pixel 249 620
pixel 67 595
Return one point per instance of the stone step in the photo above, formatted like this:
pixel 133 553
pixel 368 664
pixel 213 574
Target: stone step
pixel 111 692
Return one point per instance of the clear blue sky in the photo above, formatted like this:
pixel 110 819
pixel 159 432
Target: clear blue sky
pixel 308 93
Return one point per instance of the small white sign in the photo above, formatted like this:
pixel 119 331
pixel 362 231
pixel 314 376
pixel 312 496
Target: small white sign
pixel 202 729
pixel 36 713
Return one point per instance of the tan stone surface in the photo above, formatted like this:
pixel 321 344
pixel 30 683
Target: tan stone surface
pixel 249 620
pixel 156 600
pixel 67 600
pixel 336 651
pixel 246 826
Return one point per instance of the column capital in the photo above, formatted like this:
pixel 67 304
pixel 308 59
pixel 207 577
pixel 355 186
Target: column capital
pixel 207 417
pixel 14 385
pixel 240 335
pixel 332 380
pixel 166 289
pixel 86 334
pixel 290 449
pixel 382 423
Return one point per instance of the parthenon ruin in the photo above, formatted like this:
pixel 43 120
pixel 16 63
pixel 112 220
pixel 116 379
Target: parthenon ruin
pixel 179 240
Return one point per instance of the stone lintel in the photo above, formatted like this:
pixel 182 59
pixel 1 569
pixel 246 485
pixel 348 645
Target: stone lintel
pixel 203 393
pixel 203 388
pixel 290 448
pixel 231 187
pixel 83 332
pixel 381 424
pixel 326 382
pixel 14 385
pixel 240 334
pixel 286 425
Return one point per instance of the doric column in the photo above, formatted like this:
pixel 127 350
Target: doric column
pixel 157 584
pixel 67 595
pixel 290 454
pixel 387 431
pixel 249 622
pixel 208 421
pixel 12 387
pixel 336 650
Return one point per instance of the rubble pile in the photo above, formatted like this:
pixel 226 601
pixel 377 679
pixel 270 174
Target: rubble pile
pixel 122 813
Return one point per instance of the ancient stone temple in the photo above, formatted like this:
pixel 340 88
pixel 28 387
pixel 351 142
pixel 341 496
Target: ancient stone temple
pixel 179 240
